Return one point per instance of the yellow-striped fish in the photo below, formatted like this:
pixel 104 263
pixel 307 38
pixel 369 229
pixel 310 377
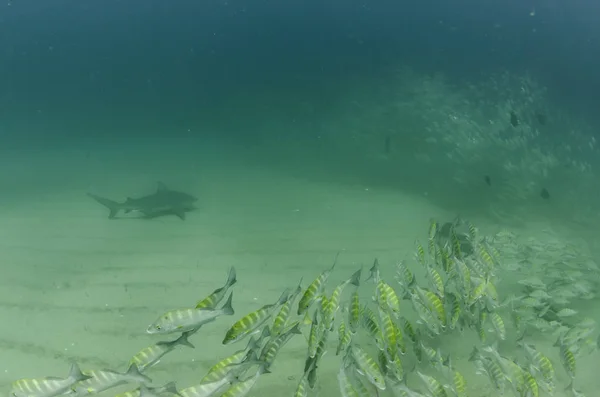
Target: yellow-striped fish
pixel 433 303
pixel 281 318
pixel 346 387
pixel 220 369
pixel 184 320
pixel 206 389
pixel 332 304
pixel 541 363
pixel 455 310
pixel 386 297
pixel 242 389
pixel 460 384
pixel 428 318
pixel 498 325
pixel 354 312
pixel 145 391
pixel 420 254
pixel 315 289
pixel 272 347
pixel 47 387
pixel 251 322
pixel 302 388
pixel 151 355
pixel 436 281
pixel 531 385
pixel 395 369
pixel 311 364
pixel 344 340
pixel 104 379
pixel 433 385
pixel 368 367
pixel 568 360
pixel 389 333
pixel 314 336
pixel 212 300
pixel 405 278
pixel 371 325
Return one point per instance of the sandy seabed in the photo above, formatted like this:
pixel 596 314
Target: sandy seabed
pixel 77 286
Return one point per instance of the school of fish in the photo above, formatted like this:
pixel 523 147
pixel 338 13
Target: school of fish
pixel 390 337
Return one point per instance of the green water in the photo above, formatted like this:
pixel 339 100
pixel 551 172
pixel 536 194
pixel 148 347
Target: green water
pixel 78 286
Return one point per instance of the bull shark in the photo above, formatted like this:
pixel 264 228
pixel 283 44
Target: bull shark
pixel 163 202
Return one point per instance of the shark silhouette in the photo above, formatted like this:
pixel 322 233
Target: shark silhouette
pixel 163 202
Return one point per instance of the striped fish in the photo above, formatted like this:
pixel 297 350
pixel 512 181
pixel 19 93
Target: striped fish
pixel 184 320
pixel 47 387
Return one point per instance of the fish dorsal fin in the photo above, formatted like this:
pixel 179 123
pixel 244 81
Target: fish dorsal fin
pixel 161 187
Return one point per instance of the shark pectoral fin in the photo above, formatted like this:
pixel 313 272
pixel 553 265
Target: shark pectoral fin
pixel 180 212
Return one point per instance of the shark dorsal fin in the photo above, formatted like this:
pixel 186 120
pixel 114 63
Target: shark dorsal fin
pixel 161 187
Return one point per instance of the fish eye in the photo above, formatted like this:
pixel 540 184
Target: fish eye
pixel 158 327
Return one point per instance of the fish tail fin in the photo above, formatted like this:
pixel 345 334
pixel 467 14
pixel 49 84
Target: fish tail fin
pixel 232 278
pixel 374 271
pixel 285 296
pixel 266 332
pixel 335 261
pixel 113 206
pixel 475 354
pixel 296 329
pixel 355 279
pixel 227 307
pixel 183 340
pixel 134 372
pixel 570 386
pixel 255 343
pixel 251 356
pixel 264 368
pixel 76 375
pixel 171 388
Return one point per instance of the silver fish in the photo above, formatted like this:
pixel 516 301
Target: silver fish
pixel 184 320
pixel 47 387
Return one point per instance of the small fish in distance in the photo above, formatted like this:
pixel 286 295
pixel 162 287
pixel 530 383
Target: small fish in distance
pixel 514 119
pixel 541 118
pixel 387 145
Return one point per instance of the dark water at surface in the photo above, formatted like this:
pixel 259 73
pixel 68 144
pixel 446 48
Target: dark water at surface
pixel 75 70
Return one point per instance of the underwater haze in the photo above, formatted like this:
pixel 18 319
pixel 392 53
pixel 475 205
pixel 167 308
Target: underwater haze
pixel 304 198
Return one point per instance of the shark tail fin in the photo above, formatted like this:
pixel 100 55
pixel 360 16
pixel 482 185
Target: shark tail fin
pixel 113 206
